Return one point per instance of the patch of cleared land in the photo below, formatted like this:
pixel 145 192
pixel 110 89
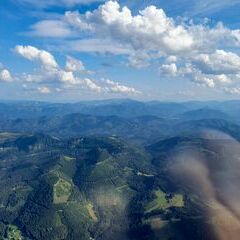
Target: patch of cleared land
pixel 144 174
pixel 62 191
pixel 67 158
pixel 13 233
pixel 161 202
pixel 91 212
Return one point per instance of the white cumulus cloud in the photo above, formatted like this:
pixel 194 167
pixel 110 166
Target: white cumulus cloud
pixel 74 65
pixel 169 69
pixel 35 54
pixel 181 47
pixel 219 62
pixel 44 90
pixel 5 76
pixel 50 72
pixel 151 29
pixel 216 69
pixel 115 87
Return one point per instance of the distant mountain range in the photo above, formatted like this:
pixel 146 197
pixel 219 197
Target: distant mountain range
pixel 140 122
pixel 123 108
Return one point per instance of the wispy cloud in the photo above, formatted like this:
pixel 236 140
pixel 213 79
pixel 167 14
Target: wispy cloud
pixel 188 8
pixel 203 7
pixel 50 28
pixel 52 3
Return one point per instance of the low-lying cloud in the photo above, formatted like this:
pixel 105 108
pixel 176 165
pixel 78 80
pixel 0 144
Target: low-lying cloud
pixel 213 175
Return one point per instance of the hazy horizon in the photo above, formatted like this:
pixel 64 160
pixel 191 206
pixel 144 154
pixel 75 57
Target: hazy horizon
pixel 118 100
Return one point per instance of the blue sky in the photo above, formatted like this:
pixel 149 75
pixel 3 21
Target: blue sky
pixel 71 50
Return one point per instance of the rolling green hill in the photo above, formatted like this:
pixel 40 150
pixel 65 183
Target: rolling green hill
pixel 73 189
pixel 152 171
pixel 105 188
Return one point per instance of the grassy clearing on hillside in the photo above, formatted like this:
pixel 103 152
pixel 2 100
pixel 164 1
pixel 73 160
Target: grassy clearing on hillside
pixel 7 136
pixel 13 233
pixel 162 203
pixel 91 212
pixel 67 158
pixel 62 191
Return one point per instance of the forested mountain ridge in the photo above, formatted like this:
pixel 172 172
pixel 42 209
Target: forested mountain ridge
pixel 106 188
pixel 74 189
pixel 139 122
pixel 142 130
pixel 77 175
pixel 119 107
